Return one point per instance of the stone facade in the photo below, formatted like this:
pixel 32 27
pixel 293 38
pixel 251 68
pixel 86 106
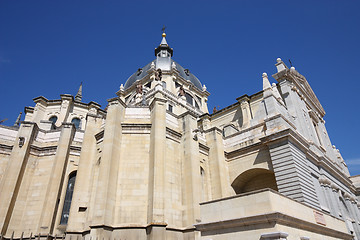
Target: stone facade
pixel 154 164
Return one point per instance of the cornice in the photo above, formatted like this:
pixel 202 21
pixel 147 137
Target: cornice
pixel 213 129
pixel 188 113
pixel 116 100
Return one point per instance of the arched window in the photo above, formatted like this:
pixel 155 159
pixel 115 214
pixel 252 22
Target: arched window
pixel 76 122
pixel 53 119
pixel 68 197
pixel 189 99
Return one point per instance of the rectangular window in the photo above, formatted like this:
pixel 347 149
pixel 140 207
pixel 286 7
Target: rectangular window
pixel 170 108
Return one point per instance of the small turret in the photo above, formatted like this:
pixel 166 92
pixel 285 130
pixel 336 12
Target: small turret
pixel 164 48
pixel 17 122
pixel 163 54
pixel 78 96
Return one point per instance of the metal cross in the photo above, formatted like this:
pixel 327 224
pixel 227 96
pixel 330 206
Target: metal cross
pixel 163 29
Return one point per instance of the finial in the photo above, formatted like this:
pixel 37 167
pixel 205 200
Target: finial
pixel 17 122
pixel 78 96
pixel 292 68
pixel 280 65
pixel 163 30
pixel 266 83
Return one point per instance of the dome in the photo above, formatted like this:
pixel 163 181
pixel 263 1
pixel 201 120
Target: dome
pixel 185 73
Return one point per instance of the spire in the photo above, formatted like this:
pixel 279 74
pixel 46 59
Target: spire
pixel 17 122
pixel 163 48
pixel 78 96
pixel 163 41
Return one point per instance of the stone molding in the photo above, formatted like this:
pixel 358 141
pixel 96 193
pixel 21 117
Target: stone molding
pixel 99 136
pixel 172 134
pixel 135 128
pixel 116 100
pixel 276 218
pixel 188 113
pixel 274 235
pixel 307 94
pixel 213 129
pixel 5 149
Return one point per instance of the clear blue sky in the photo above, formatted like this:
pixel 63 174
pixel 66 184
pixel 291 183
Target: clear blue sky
pixel 48 47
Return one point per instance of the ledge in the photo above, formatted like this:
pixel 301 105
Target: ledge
pixel 267 206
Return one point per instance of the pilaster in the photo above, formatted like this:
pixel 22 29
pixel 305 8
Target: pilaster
pixel 66 101
pixel 156 192
pixel 105 198
pixel 12 178
pixel 219 176
pixel 82 192
pixel 57 175
pixel 39 109
pixel 191 178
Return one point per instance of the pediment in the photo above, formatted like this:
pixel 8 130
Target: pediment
pixel 304 87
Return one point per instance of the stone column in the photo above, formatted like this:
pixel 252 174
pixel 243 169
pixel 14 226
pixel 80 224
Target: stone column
pixel 12 178
pixel 191 170
pixel 56 181
pixel 220 186
pixel 156 192
pixel 85 173
pixel 105 198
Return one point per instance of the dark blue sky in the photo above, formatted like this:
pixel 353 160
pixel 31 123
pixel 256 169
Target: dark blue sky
pixel 48 47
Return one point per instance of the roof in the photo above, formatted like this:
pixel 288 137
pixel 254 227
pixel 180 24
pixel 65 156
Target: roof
pixel 142 72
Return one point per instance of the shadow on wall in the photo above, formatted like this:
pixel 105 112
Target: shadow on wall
pixel 254 179
pixel 238 117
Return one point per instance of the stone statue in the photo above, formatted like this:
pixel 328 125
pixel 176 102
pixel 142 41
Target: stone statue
pixel 158 75
pixel 214 110
pixel 181 91
pixel 139 88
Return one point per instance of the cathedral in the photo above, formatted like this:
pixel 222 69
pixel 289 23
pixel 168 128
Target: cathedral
pixel 155 164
